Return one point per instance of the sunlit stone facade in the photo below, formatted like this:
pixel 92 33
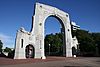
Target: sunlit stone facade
pixel 36 36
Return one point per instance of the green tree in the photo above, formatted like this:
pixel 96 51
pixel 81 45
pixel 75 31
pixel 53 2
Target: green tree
pixel 1 45
pixel 87 44
pixel 96 37
pixel 7 50
pixel 55 41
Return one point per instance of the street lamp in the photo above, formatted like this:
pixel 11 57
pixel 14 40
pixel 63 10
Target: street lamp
pixel 49 49
pixel 97 50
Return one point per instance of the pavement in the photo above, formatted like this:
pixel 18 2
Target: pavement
pixel 52 62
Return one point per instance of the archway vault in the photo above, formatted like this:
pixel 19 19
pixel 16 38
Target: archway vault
pixel 29 51
pixel 51 47
pixel 36 36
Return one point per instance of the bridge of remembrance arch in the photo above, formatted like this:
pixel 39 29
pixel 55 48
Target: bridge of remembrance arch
pixel 36 36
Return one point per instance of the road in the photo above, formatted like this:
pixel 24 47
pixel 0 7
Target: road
pixel 62 62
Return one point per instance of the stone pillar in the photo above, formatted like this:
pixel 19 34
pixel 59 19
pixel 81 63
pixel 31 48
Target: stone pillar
pixel 19 51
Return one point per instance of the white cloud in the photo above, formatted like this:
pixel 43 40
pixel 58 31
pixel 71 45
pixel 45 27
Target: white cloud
pixel 8 41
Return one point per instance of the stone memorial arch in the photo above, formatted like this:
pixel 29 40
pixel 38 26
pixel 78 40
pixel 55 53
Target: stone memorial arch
pixel 35 38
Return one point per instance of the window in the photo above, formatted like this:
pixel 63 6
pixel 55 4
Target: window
pixel 21 43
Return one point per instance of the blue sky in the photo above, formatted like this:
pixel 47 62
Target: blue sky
pixel 18 13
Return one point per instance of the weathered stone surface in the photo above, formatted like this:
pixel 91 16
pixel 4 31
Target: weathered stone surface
pixel 36 36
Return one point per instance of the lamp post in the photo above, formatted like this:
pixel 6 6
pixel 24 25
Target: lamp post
pixel 97 50
pixel 49 49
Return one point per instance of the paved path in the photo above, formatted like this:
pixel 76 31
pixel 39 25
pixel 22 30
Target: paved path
pixel 62 62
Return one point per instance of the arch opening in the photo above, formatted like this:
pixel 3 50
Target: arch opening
pixel 56 45
pixel 74 51
pixel 36 35
pixel 29 51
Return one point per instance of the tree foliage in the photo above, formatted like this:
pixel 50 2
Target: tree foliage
pixel 7 50
pixel 1 45
pixel 88 43
pixel 55 41
pixel 96 37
